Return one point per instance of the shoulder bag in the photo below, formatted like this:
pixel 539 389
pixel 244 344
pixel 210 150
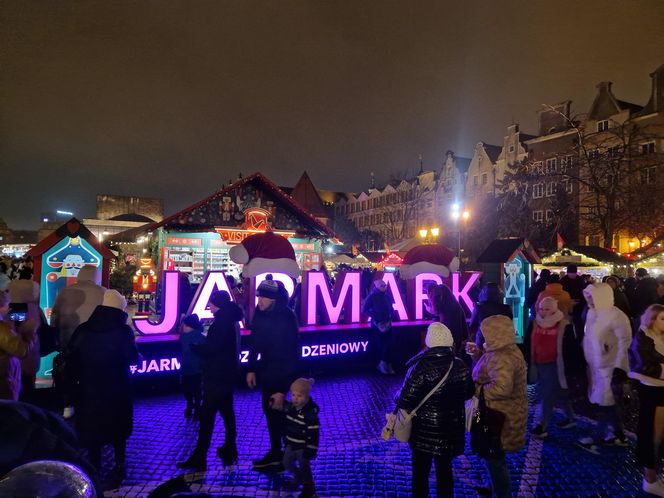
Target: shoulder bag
pixel 486 429
pixel 403 422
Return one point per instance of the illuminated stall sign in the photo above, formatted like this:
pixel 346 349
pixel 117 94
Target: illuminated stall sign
pixel 320 303
pixel 61 264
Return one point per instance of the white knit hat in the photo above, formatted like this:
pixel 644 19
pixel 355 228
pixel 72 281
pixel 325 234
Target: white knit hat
pixel 113 299
pixel 438 335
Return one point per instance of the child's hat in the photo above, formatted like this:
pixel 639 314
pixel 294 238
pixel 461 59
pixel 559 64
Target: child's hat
pixel 302 385
pixel 192 321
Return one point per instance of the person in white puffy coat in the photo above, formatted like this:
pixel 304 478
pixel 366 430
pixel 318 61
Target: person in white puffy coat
pixel 606 341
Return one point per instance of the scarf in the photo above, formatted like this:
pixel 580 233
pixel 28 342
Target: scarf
pixel 549 321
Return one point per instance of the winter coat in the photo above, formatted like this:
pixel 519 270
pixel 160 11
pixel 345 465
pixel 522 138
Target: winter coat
pixel 29 433
pixel 191 362
pixel 607 337
pixel 12 347
pixel 560 364
pixel 562 297
pixel 378 306
pixel 643 295
pixel 439 424
pixel 73 306
pixel 646 360
pixel 485 310
pixel 501 370
pixel 221 350
pixel 303 428
pixel 100 353
pixel 274 335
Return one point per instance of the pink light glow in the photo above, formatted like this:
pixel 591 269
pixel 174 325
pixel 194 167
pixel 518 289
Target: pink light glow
pixel 169 319
pixel 462 295
pixel 279 277
pixel 393 288
pixel 346 296
pixel 213 281
pixel 420 294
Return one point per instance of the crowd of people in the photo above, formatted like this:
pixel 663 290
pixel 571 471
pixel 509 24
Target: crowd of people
pixel 615 329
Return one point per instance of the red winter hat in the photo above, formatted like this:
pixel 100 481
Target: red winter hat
pixel 265 253
pixel 434 258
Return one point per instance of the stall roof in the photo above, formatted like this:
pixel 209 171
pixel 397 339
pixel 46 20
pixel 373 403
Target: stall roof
pixel 311 226
pixel 596 253
pixel 503 250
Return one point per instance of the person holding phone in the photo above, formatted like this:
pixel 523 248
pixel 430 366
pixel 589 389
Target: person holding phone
pixel 12 347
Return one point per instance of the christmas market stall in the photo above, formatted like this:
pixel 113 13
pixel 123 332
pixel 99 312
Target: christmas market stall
pixel 510 262
pixel 593 260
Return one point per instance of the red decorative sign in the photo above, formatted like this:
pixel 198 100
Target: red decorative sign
pixel 392 259
pixel 181 241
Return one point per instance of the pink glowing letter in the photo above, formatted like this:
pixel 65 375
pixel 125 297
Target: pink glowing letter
pixel 393 288
pixel 463 293
pixel 346 296
pixel 213 281
pixel 419 294
pixel 170 291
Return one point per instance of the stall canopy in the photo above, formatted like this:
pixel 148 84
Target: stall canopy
pixel 585 256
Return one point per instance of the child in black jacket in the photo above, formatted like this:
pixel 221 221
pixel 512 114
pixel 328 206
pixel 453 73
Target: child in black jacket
pixel 302 434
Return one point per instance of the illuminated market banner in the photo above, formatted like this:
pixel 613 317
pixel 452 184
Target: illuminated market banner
pixel 322 304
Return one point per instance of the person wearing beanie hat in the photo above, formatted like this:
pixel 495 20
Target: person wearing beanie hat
pixel 302 435
pixel 99 356
pixel 274 336
pixel 220 357
pixel 438 431
pixel 191 333
pixel 378 306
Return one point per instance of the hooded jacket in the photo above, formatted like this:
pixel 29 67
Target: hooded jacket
pixel 561 296
pixel 607 337
pixel 501 370
pixel 100 353
pixel 439 424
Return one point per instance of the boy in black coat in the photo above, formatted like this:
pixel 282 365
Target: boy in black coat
pixel 302 434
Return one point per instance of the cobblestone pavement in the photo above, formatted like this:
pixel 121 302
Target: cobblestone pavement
pixel 354 460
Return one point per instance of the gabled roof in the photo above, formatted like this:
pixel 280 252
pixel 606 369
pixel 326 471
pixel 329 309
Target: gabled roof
pixel 308 224
pixel 600 254
pixel 503 250
pixel 307 196
pixel 493 151
pixel 72 228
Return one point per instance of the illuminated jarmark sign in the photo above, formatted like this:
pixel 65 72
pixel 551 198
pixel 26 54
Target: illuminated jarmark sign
pixel 321 305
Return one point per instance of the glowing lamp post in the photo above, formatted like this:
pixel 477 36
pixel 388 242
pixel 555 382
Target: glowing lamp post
pixel 429 235
pixel 458 216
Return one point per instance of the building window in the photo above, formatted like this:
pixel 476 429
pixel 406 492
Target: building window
pixel 551 165
pixel 567 185
pixel 551 189
pixel 603 125
pixel 615 150
pixel 538 167
pixel 549 215
pixel 649 175
pixel 538 190
pixel 648 148
pixel 511 149
pixel 566 162
pixel 593 154
pixel 475 181
pixel 538 216
pixel 484 178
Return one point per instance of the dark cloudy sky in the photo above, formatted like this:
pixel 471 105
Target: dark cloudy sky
pixel 171 99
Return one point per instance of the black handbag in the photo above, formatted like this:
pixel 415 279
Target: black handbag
pixel 48 339
pixel 486 430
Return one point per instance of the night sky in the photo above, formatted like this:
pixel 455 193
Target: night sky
pixel 173 99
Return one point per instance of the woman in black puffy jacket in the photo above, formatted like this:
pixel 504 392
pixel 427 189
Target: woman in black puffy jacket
pixel 439 425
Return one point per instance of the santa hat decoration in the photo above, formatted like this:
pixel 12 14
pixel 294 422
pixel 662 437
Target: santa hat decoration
pixel 265 253
pixel 434 258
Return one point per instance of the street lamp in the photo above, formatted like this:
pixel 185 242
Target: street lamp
pixel 429 235
pixel 458 216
